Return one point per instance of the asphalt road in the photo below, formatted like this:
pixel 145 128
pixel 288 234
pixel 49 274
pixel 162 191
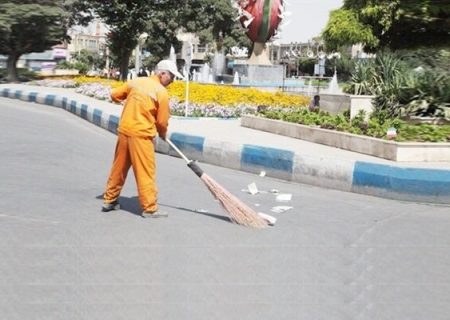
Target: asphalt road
pixel 334 255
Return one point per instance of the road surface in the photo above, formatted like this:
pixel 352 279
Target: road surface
pixel 334 255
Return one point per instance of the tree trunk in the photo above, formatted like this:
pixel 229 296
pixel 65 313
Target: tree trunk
pixel 124 60
pixel 11 67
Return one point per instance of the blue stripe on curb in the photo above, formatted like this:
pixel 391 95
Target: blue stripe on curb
pixel 50 99
pixel 97 119
pixel 83 112
pixel 187 142
pixel 113 123
pixel 32 96
pixel 430 182
pixel 5 92
pixel 73 106
pixel 64 102
pixel 18 94
pixel 267 157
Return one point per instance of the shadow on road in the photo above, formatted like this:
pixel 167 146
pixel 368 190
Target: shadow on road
pixel 131 205
pixel 212 215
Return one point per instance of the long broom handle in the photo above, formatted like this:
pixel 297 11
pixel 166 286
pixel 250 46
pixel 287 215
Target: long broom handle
pixel 191 164
pixel 177 150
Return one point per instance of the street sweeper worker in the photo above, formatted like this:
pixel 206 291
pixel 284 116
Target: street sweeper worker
pixel 145 114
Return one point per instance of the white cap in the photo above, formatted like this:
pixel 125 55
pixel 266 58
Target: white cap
pixel 169 65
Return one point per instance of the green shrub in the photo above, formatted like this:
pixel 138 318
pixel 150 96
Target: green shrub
pixel 23 74
pixel 377 126
pixel 404 86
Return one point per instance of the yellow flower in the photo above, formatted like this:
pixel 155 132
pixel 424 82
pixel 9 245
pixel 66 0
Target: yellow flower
pixel 224 95
pixel 233 96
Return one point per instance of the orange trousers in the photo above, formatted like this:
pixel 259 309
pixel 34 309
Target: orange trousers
pixel 139 153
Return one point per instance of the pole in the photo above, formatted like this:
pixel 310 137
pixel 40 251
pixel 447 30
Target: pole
pixel 187 93
pixel 188 60
pixel 137 58
pixel 107 62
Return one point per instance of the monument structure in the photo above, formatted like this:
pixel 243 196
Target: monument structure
pixel 261 19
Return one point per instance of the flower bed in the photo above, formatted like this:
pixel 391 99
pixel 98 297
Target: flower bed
pixel 204 100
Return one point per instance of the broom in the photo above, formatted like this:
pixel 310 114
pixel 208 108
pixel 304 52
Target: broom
pixel 239 212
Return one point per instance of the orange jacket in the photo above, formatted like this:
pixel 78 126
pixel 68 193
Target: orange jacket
pixel 146 110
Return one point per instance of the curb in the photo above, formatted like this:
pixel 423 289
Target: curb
pixel 386 181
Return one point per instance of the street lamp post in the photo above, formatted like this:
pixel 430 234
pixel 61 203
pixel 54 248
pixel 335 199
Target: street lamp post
pixel 319 69
pixel 141 41
pixel 189 55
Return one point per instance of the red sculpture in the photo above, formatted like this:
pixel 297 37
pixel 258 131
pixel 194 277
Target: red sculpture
pixel 261 18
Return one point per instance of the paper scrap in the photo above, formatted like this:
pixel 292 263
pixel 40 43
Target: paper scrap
pixel 262 174
pixel 257 204
pixel 280 209
pixel 274 191
pixel 252 188
pixel 202 210
pixel 283 197
pixel 271 220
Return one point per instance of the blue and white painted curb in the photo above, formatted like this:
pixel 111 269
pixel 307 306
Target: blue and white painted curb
pixel 395 182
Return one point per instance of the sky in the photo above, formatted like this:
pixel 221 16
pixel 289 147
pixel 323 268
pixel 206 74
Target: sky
pixel 307 19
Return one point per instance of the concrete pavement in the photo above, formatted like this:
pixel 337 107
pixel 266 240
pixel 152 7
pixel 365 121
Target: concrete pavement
pixel 227 144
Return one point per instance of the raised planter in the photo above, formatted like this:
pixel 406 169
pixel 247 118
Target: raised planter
pixel 396 151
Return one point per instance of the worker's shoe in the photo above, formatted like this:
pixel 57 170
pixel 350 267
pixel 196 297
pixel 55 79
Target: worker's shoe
pixel 154 214
pixel 111 206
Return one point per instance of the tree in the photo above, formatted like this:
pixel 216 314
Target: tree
pixel 32 26
pixel 216 19
pixel 212 20
pixel 161 19
pixel 394 24
pixel 127 19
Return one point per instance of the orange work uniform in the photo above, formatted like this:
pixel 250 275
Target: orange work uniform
pixel 146 112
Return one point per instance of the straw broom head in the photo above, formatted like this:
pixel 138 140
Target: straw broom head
pixel 239 212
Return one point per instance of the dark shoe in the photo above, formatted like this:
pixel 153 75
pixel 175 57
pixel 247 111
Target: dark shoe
pixel 111 206
pixel 154 214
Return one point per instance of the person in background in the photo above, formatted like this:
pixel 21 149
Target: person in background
pixel 145 114
pixel 314 105
pixel 142 73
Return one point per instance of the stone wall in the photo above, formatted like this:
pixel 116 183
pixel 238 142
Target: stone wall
pixel 338 103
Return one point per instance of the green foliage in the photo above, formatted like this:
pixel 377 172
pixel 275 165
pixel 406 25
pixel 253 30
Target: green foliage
pixel 129 19
pixel 390 86
pixel 31 26
pixel 83 68
pixel 344 28
pixel 162 19
pixel 393 24
pixel 306 65
pixel 375 127
pixel 345 66
pixel 400 90
pixel 216 20
pixel 23 74
pixel 92 59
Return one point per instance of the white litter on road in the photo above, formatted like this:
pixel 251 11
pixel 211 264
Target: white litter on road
pixel 252 188
pixel 283 197
pixel 271 220
pixel 262 174
pixel 280 209
pixel 274 191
